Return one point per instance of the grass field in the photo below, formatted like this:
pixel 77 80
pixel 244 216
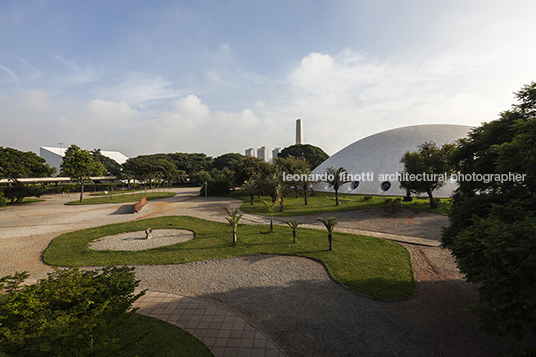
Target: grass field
pixel 152 337
pixel 371 266
pixel 122 198
pixel 325 202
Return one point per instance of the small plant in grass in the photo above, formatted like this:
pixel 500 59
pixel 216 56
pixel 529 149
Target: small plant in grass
pixel 233 220
pixel 294 225
pixel 271 208
pixel 329 224
pixel 366 198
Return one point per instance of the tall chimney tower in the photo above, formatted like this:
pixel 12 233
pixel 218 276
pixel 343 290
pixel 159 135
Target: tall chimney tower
pixel 299 132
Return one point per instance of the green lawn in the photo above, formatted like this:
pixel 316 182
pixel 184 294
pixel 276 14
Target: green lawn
pixel 122 198
pixel 371 266
pixel 325 202
pixel 153 337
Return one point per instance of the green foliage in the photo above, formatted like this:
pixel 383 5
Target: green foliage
pixel 492 224
pixel 312 154
pixel 337 178
pixel 330 224
pixel 2 199
pixel 17 164
pixel 216 188
pixel 17 191
pixel 233 220
pixel 293 224
pixel 112 167
pixel 431 160
pixel 80 165
pixel 248 167
pixel 227 161
pixel 68 314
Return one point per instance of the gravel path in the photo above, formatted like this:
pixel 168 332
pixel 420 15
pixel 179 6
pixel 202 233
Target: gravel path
pixel 138 241
pixel 291 299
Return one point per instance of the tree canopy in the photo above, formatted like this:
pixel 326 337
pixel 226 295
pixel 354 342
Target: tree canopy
pixel 312 154
pixel 493 219
pixel 80 165
pixel 430 160
pixel 17 164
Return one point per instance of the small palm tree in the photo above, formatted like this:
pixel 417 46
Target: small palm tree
pixel 271 208
pixel 233 219
pixel 337 180
pixel 329 224
pixel 281 192
pixel 250 186
pixel 294 225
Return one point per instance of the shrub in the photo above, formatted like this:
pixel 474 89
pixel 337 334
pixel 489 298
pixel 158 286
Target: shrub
pixel 366 198
pixel 68 314
pixel 216 187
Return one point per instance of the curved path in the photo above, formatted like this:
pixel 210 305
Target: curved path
pixel 292 300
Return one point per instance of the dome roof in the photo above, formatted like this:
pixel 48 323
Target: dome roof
pixel 373 161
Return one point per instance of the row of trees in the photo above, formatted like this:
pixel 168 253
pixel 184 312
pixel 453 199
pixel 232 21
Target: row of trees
pixel 221 173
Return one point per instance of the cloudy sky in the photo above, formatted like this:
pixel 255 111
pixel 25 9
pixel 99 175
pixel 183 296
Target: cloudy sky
pixel 214 76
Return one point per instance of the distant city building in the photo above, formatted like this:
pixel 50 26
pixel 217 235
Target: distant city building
pixel 262 153
pixel 275 152
pixel 54 156
pixel 250 152
pixel 299 132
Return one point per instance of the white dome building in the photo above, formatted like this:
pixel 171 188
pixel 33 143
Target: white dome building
pixel 374 161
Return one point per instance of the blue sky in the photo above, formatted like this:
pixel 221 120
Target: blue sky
pixel 143 77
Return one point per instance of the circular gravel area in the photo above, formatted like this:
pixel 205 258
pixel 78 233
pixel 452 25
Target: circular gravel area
pixel 136 240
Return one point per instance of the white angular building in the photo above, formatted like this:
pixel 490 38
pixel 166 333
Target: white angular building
pixel 374 161
pixel 54 156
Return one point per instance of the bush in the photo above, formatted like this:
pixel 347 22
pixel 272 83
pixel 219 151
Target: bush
pixel 216 187
pixel 367 198
pixel 2 199
pixel 68 314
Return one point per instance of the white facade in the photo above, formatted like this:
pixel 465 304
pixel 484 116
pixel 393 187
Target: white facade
pixel 250 152
pixel 54 156
pixel 262 153
pixel 374 161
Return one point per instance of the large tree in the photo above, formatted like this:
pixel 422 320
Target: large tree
pixel 312 154
pixel 429 167
pixel 15 164
pixel 80 165
pixel 493 216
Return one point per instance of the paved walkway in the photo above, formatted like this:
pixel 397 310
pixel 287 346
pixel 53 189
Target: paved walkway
pixel 223 332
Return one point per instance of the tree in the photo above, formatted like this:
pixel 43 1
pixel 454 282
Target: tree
pixel 293 225
pixel 306 181
pixel 112 167
pixel 15 164
pixel 233 220
pixel 248 166
pixel 330 225
pixel 430 160
pixel 79 165
pixel 270 207
pixel 312 154
pixel 493 217
pixel 250 186
pixel 282 191
pixel 71 313
pixel 336 178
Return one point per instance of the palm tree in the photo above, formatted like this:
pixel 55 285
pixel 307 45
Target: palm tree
pixel 233 219
pixel 336 179
pixel 270 185
pixel 306 181
pixel 250 186
pixel 271 208
pixel 294 225
pixel 329 224
pixel 282 191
